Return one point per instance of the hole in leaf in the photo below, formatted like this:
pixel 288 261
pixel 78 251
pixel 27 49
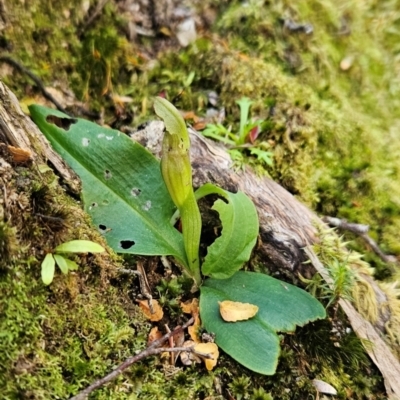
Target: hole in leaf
pixel 85 142
pixel 102 228
pixel 126 244
pixel 63 123
pixel 107 174
pixel 93 205
pixel 135 192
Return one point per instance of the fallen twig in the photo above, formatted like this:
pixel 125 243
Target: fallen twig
pixel 149 351
pixel 38 82
pixel 362 231
pixel 144 284
pixel 10 61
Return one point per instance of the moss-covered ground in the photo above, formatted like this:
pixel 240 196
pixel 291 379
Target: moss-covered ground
pixel 330 101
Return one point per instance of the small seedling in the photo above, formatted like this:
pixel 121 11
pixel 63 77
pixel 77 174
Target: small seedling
pixel 245 138
pixel 64 263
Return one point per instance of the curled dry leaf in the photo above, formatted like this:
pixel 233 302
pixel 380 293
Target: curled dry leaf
pixel 19 155
pixel 157 310
pixel 210 349
pixel 190 115
pixel 154 335
pixel 191 307
pixel 194 329
pixel 232 311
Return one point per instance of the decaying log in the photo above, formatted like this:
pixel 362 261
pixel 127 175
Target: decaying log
pixel 286 225
pixel 17 130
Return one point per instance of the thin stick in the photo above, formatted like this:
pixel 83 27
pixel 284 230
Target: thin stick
pixel 149 351
pixel 38 82
pixel 171 345
pixel 362 231
pixel 144 284
pixel 358 229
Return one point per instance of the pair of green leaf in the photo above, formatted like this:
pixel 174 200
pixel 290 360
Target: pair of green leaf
pixel 65 265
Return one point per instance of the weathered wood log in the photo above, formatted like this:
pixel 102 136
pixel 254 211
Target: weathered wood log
pixel 17 130
pixel 286 225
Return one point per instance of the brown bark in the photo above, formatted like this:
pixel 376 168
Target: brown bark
pixel 17 130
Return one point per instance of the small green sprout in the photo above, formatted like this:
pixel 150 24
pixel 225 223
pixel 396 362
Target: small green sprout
pixel 342 287
pixel 65 264
pixel 248 131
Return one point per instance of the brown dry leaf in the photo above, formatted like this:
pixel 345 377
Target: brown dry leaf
pixel 232 311
pixel 19 155
pixel 210 349
pixel 191 307
pixel 190 115
pixel 156 315
pixel 194 329
pixel 154 335
pixel 199 126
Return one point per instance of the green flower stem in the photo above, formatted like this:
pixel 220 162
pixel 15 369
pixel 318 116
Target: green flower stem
pixel 191 230
pixel 177 174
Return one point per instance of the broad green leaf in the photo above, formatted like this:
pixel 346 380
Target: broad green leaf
pixel 239 234
pixel 48 267
pixel 123 190
pixel 61 262
pixel 254 343
pixel 79 246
